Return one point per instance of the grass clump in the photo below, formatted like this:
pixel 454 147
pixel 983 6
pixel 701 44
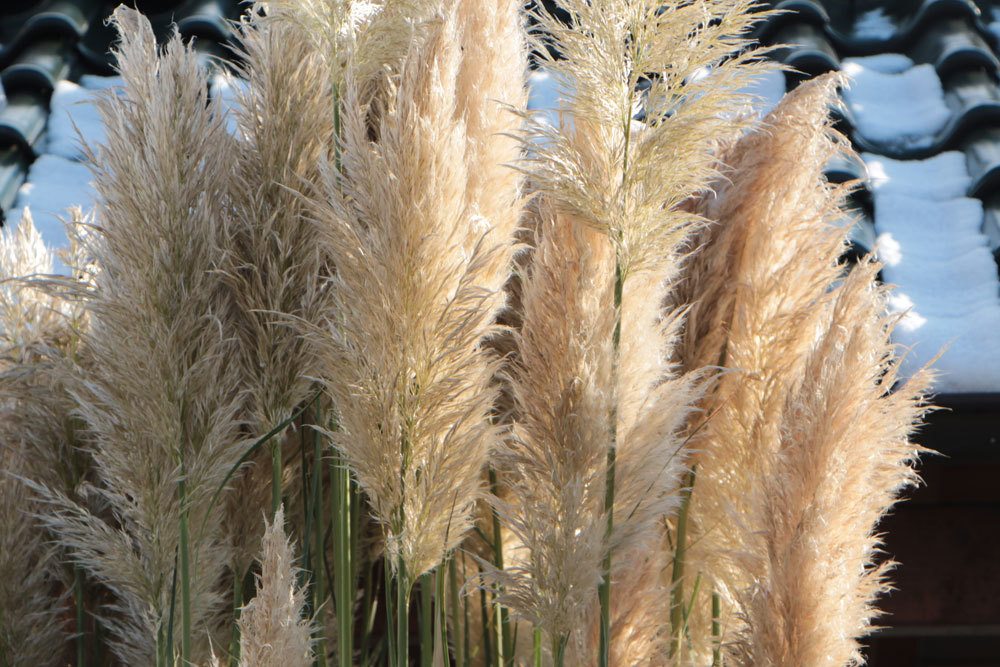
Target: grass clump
pixel 592 391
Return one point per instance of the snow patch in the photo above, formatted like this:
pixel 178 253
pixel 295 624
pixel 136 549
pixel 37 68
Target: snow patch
pixel 228 89
pixel 905 109
pixel 766 90
pixel 54 184
pixel 73 110
pixel 944 176
pixel 932 248
pixel 874 24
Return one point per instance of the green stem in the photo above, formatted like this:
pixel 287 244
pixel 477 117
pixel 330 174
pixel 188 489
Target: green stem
pixel 316 508
pixel 466 635
pixel 677 574
pixel 456 623
pixel 604 590
pixel 78 598
pixel 390 611
pixel 716 629
pixel 402 615
pixel 441 617
pixel 488 654
pixel 368 610
pixel 537 647
pixel 343 570
pixel 505 649
pixel 559 651
pixel 276 464
pixel 185 557
pixel 426 621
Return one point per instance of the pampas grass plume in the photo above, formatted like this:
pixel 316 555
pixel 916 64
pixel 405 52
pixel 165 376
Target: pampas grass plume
pixel 405 227
pixel 33 596
pixel 273 630
pixel 160 402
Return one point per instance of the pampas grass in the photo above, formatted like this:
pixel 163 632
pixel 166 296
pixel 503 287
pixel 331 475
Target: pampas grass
pixel 555 461
pixel 36 443
pixel 770 302
pixel 406 367
pixel 628 180
pixel 273 632
pixel 634 326
pixel 843 459
pixel 160 404
pixel 271 258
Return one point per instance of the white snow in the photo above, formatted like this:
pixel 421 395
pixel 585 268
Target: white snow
pixel 874 24
pixel 886 63
pixel 969 361
pixel 545 96
pixel 57 180
pixel 767 90
pixel 226 89
pixel 901 108
pixel 54 185
pixel 943 176
pixel 933 250
pixel 72 109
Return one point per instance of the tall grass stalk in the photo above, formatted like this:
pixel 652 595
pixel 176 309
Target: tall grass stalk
pixel 442 653
pixel 458 605
pixel 601 169
pixel 234 641
pixel 276 475
pixel 504 640
pixel 341 513
pixel 185 567
pixel 604 589
pixel 79 602
pixel 318 518
pixel 401 581
pixel 677 609
pixel 428 638
pixel 716 629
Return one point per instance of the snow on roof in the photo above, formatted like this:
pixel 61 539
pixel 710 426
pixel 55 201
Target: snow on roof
pixel 922 103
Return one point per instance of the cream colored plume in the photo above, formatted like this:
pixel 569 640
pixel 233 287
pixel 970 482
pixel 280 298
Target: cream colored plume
pixel 271 257
pixel 273 629
pixel 844 457
pixel 33 413
pixel 602 168
pixel 422 249
pixel 770 306
pixel 161 398
pixel 555 463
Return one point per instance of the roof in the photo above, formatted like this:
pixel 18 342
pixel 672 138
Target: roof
pixel 923 110
pixel 46 42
